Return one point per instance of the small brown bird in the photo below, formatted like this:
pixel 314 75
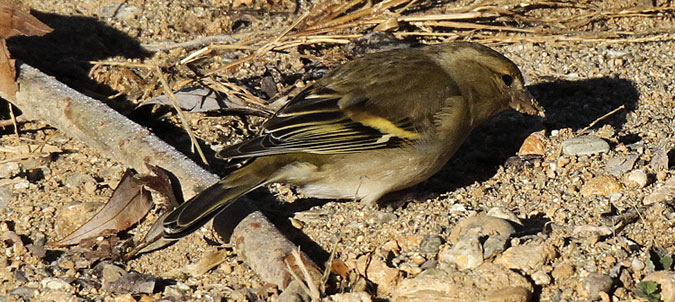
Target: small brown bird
pixel 377 124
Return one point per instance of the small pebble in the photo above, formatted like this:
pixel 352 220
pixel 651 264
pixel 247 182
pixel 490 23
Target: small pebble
pixel 636 179
pixel 533 145
pixel 603 185
pixel 24 292
pixel 431 244
pixel 637 265
pixel 349 297
pixel 541 278
pixel 594 284
pixel 9 169
pixel 466 253
pixel 584 145
pixel 504 213
pixel 55 284
pixel 662 193
pixel 618 165
pixel 562 272
pixel 527 258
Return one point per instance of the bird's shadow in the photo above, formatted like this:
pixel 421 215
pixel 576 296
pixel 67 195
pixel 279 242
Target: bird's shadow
pixel 568 104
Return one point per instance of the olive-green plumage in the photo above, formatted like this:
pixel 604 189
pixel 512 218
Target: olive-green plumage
pixel 374 125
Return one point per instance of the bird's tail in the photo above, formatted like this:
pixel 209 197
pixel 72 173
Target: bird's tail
pixel 195 212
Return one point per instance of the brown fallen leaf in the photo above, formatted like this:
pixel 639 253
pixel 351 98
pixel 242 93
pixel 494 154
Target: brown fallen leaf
pixel 15 22
pixel 7 70
pixel 128 204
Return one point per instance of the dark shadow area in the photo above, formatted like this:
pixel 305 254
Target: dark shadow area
pixel 65 53
pixel 568 104
pixel 575 104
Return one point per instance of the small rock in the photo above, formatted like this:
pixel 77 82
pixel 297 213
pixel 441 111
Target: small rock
pixel 661 194
pixel 384 217
pixel 487 225
pixel 594 284
pixel 637 265
pixel 527 258
pixel 509 294
pixel 584 145
pixel 431 244
pixel 498 231
pixel 21 184
pixel 123 12
pixel 9 169
pixel 349 297
pixel 619 165
pixel 660 159
pixel 541 278
pixel 53 295
pixel 661 175
pixel 81 181
pixel 55 284
pixel 588 229
pixel 636 179
pixel 466 253
pixel 504 213
pixel 134 283
pixel 377 271
pixel 603 185
pixel 24 292
pixel 111 273
pixel 410 242
pixel 125 298
pixel 533 145
pixel 667 281
pixel 391 246
pixel 410 268
pixel 5 196
pixel 483 283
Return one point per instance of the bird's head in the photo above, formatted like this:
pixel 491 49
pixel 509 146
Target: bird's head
pixel 490 82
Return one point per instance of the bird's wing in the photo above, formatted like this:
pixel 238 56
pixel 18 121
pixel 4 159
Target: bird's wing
pixel 337 116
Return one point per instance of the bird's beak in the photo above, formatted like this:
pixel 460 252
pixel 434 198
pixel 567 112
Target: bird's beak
pixel 523 102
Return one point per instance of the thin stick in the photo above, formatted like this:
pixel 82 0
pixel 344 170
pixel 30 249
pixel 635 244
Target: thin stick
pixel 602 118
pixel 181 115
pixel 13 118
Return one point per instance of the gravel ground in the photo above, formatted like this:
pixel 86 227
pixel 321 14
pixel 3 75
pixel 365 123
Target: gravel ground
pixel 592 220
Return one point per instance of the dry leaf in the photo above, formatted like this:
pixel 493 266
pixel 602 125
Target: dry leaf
pixel 7 70
pixel 205 264
pixel 128 204
pixel 159 182
pixel 17 22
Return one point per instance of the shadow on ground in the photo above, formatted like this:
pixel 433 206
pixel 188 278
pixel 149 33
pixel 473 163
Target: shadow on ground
pixel 568 104
pixel 66 52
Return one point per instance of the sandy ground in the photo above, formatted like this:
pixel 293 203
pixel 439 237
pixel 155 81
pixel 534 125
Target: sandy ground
pixel 576 81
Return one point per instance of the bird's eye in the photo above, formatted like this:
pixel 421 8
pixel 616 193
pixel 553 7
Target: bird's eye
pixel 508 80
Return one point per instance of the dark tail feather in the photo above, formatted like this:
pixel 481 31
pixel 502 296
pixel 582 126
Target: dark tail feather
pixel 195 212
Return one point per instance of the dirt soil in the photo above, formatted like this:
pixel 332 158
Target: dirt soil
pixel 586 211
